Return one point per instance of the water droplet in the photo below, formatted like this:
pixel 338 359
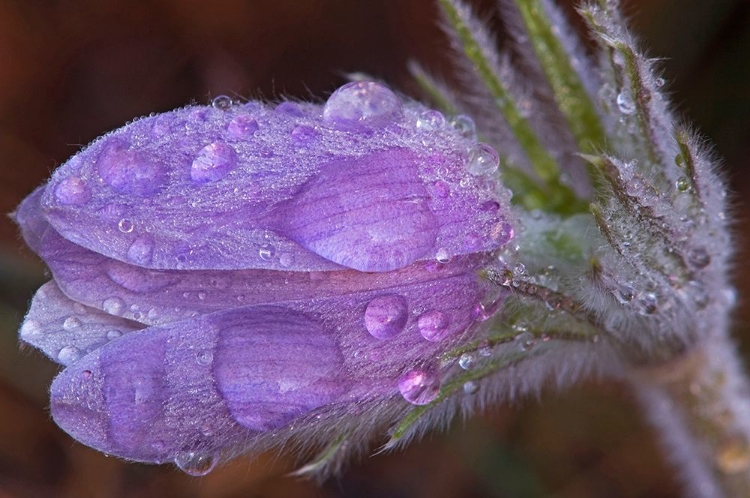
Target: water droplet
pixel 386 316
pixel 304 134
pixel 625 103
pixel 161 125
pixel 68 355
pixel 699 258
pixel 625 294
pixel 194 463
pixel 699 294
pixel 526 341
pixel 433 325
pixel 266 252
pixel 243 126
pixel 362 103
pixel 419 387
pixel 290 108
pixel 129 172
pixel 430 121
pixel 71 323
pixel 483 160
pixel 442 255
pixel 114 306
pixel 519 270
pixel 682 184
pixel 465 126
pixel 31 328
pixel 72 191
pixel 213 163
pixel 141 250
pixel 679 160
pixel 222 102
pixel 79 308
pixel 659 82
pixel 467 361
pixel 125 225
pixel 484 349
pixel 648 303
pixel 113 334
pixel 202 295
pixel 471 387
pixel 204 357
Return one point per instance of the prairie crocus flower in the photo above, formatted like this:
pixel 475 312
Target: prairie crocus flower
pixel 233 276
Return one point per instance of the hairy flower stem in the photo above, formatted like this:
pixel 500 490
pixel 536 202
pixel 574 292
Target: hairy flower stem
pixel 698 402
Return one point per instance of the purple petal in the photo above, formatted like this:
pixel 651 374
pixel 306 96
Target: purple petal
pixel 66 330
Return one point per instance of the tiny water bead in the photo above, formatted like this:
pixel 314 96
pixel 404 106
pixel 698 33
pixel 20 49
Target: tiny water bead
pixel 68 355
pixel 625 103
pixel 72 191
pixel 467 361
pixel 304 134
pixel 129 172
pixel 222 102
pixel 266 252
pixel 242 126
pixel 430 121
pixel 204 357
pixel 419 387
pixel 526 341
pixel 30 329
pixel 71 323
pixel 114 306
pixel 471 387
pixel 194 463
pixel 682 184
pixel 483 160
pixel 213 163
pixel 442 255
pixel 699 258
pixel 465 126
pixel 386 316
pixel 125 225
pixel 433 325
pixel 362 102
pixel 141 250
pixel 113 334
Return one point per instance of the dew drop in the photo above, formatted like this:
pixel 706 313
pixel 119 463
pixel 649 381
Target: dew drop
pixel 442 255
pixel 467 361
pixel 71 323
pixel 31 328
pixel 72 191
pixel 304 134
pixel 519 270
pixel 243 126
pixel 659 82
pixel 526 341
pixel 430 121
pixel 204 357
pixel 161 125
pixel 699 294
pixel 266 252
pixel 699 258
pixel 68 355
pixel 465 126
pixel 114 306
pixel 125 225
pixel 386 316
pixel 222 102
pixel 213 162
pixel 141 250
pixel 362 103
pixel 433 325
pixel 483 160
pixel 79 308
pixel 290 108
pixel 471 387
pixel 419 387
pixel 682 184
pixel 625 103
pixel 625 294
pixel 127 171
pixel 194 463
pixel 647 303
pixel 113 334
pixel 202 296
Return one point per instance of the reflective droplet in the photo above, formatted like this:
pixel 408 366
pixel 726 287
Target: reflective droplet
pixel 625 103
pixel 213 163
pixel 442 255
pixel 204 357
pixel 419 387
pixel 243 126
pixel 141 250
pixel 68 355
pixel 161 125
pixel 202 295
pixel 71 323
pixel 467 361
pixel 125 225
pixel 79 308
pixel 129 172
pixel 682 184
pixel 625 294
pixel 699 258
pixel 433 325
pixel 471 387
pixel 266 252
pixel 519 270
pixel 194 463
pixel 362 103
pixel 113 334
pixel 647 303
pixel 526 341
pixel 291 108
pixel 114 306
pixel 430 121
pixel 465 126
pixel 483 160
pixel 72 191
pixel 304 134
pixel 386 316
pixel 221 102
pixel 659 82
pixel 30 329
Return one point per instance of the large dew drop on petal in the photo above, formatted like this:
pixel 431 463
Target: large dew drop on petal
pixel 362 103
pixel 127 171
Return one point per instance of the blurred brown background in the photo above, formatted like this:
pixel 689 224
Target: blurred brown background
pixel 73 69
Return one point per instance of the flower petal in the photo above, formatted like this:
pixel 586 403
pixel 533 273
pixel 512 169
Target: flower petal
pixel 66 330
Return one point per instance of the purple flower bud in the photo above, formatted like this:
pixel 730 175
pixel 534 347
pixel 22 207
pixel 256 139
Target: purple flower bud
pixel 223 272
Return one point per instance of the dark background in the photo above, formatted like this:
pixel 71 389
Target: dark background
pixel 73 69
